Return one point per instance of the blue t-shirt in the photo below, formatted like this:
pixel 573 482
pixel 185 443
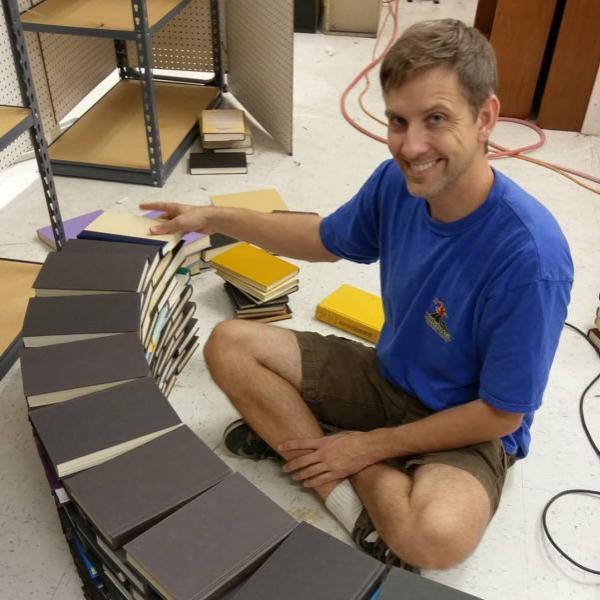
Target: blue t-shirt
pixel 473 308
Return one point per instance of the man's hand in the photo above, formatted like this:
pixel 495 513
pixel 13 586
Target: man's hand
pixel 333 457
pixel 181 217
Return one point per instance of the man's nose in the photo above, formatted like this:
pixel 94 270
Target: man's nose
pixel 414 143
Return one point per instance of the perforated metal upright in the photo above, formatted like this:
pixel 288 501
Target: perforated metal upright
pixel 32 121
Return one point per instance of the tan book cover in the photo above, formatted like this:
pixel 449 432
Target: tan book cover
pixel 266 200
pixel 222 124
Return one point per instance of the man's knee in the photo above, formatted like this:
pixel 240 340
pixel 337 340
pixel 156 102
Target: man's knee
pixel 435 539
pixel 226 339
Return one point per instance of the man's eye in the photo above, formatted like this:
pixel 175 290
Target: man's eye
pixel 436 119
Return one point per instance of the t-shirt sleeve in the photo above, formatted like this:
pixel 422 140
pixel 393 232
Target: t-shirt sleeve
pixel 352 231
pixel 518 337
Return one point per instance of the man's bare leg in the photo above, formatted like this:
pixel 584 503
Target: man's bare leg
pixel 432 520
pixel 259 368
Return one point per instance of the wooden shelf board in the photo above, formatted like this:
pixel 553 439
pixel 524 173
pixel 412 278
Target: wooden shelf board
pixel 93 16
pixel 16 279
pixel 111 134
pixel 12 122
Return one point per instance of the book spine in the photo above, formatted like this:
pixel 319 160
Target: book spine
pixel 346 324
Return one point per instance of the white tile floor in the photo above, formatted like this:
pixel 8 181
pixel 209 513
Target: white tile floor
pixel 330 161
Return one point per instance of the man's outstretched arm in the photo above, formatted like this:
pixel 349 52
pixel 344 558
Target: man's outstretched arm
pixel 289 234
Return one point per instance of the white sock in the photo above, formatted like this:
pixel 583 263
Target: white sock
pixel 344 504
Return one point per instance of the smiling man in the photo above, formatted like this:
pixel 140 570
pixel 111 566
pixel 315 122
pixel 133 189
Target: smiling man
pixel 408 443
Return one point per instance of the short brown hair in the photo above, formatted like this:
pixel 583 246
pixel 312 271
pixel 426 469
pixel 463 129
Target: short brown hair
pixel 430 44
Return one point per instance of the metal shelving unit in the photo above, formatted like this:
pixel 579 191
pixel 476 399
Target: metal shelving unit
pixel 16 120
pixel 72 153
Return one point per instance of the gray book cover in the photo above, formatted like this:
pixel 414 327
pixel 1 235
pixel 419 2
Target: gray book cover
pixel 205 547
pixel 81 426
pixel 128 494
pixel 403 585
pixel 312 564
pixel 67 315
pixel 100 247
pixel 82 364
pixel 91 272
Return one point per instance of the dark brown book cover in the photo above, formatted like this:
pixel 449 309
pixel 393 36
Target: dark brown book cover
pixel 402 584
pixel 75 365
pixel 205 547
pixel 128 494
pixel 91 272
pixel 67 315
pixel 82 426
pixel 312 564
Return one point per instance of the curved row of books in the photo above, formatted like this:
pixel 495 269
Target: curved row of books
pixel 148 510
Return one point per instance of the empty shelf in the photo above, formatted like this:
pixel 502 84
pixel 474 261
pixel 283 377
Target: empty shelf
pixel 14 120
pixel 104 18
pixel 109 141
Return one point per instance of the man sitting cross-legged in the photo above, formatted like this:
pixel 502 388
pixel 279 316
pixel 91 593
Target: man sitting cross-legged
pixel 475 282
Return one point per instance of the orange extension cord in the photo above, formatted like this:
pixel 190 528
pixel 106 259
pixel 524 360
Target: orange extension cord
pixel 391 7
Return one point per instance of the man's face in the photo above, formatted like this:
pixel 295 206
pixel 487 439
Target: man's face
pixel 432 133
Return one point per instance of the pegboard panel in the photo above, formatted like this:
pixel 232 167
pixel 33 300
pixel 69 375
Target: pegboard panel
pixel 260 53
pixel 185 43
pixel 10 94
pixel 74 67
pixel 10 91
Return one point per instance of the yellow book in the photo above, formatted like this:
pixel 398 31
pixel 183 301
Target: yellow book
pixel 222 124
pixel 256 266
pixel 353 310
pixel 261 200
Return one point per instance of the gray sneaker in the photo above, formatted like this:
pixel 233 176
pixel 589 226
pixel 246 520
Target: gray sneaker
pixel 378 549
pixel 242 441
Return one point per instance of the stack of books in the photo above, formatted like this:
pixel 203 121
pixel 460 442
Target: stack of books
pixel 594 332
pixel 226 140
pixel 257 282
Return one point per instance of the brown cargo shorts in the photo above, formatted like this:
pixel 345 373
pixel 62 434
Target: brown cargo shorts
pixel 343 386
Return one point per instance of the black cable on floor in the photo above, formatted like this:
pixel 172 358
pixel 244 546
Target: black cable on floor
pixel 596 450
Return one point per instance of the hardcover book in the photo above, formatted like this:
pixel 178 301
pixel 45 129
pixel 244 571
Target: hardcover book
pixel 81 273
pixel 72 228
pixel 86 431
pixel 205 547
pixel 312 564
pixel 354 310
pixel 267 200
pixel 56 320
pixel 222 124
pixel 63 371
pixel 128 494
pixel 122 227
pixel 219 242
pixel 400 583
pixel 255 267
pixel 207 163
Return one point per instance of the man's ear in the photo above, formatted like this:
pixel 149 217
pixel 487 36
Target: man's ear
pixel 488 117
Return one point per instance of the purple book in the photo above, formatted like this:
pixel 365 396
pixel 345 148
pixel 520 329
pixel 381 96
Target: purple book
pixel 72 228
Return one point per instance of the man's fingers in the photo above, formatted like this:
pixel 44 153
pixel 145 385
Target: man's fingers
pixel 326 477
pixel 303 444
pixel 166 227
pixel 300 462
pixel 309 472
